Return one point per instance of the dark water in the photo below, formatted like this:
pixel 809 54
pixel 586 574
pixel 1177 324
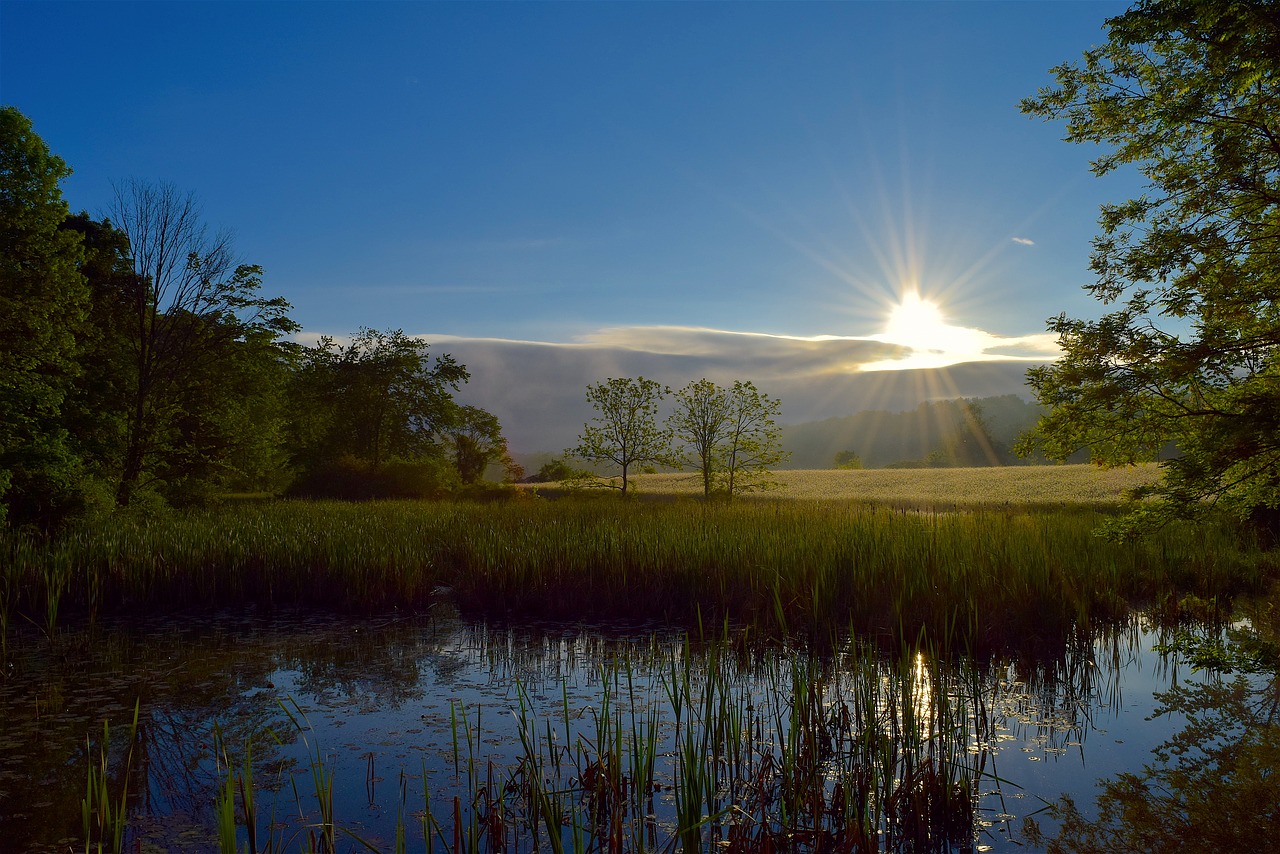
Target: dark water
pixel 402 708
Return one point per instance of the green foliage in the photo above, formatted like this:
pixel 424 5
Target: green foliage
pixel 555 470
pixel 42 304
pixel 96 410
pixel 847 460
pixel 986 578
pixel 625 430
pixel 201 347
pixel 1188 93
pixel 750 447
pixel 701 423
pixel 350 478
pixel 476 442
pixel 377 399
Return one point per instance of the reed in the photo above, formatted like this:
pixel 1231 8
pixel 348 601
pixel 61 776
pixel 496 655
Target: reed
pixel 981 578
pixel 104 816
pixel 856 752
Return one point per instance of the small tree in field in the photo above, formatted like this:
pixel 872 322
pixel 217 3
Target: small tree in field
pixel 701 423
pixel 751 444
pixel 848 460
pixel 475 442
pixel 624 431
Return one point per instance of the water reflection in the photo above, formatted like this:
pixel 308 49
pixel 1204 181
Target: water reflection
pixel 1212 785
pixel 745 746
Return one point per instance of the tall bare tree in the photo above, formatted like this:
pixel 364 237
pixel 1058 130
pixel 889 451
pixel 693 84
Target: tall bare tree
pixel 189 301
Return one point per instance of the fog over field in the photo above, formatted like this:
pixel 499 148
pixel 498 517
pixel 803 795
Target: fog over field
pixel 537 390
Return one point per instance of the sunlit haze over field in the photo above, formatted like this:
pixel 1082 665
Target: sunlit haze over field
pixel 838 201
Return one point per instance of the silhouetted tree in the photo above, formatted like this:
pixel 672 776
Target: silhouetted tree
pixel 847 460
pixel 476 440
pixel 378 401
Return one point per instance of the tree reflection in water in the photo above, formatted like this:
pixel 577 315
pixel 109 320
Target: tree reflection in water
pixel 1213 786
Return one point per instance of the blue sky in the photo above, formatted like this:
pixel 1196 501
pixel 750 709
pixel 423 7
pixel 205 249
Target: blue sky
pixel 608 176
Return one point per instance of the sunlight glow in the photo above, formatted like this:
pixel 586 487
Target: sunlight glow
pixel 918 324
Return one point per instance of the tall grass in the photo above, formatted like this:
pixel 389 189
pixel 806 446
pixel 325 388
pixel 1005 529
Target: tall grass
pixel 983 577
pixel 103 815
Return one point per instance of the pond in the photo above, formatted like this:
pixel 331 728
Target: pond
pixel 359 732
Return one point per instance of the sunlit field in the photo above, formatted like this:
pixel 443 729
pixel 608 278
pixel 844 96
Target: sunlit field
pixel 1067 484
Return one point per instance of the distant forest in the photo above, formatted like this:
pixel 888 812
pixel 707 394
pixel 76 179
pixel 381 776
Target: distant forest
pixel 961 432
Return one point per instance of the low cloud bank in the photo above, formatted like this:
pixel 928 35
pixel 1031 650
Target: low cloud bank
pixel 537 390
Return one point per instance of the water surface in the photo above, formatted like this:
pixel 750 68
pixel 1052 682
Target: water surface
pixel 405 709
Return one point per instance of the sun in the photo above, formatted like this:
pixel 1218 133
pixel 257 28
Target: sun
pixel 919 324
pixel 914 323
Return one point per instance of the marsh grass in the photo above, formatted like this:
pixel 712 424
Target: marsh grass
pixel 103 813
pixel 984 578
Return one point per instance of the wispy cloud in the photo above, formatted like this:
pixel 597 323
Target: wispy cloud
pixel 1025 241
pixel 424 288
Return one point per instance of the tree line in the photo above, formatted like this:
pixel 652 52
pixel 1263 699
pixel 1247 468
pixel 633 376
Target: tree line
pixel 729 435
pixel 140 363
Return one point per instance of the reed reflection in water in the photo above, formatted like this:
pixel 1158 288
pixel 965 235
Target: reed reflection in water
pixel 485 737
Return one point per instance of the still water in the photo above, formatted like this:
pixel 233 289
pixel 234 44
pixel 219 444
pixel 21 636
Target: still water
pixel 403 714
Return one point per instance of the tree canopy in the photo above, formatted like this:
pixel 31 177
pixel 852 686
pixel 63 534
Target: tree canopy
pixel 379 400
pixel 701 423
pixel 751 444
pixel 42 303
pixel 1188 93
pixel 476 442
pixel 191 304
pixel 141 364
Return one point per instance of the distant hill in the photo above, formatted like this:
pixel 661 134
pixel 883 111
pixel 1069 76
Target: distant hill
pixel 961 432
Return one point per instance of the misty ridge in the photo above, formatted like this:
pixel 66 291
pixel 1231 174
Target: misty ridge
pixel 974 431
pixel 940 433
